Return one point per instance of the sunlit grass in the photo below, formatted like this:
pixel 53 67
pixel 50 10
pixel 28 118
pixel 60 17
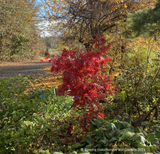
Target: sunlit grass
pixel 50 81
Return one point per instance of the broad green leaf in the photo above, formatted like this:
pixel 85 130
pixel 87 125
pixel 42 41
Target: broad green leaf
pixel 112 140
pixel 118 124
pixel 156 128
pixel 152 148
pixel 147 149
pixel 88 139
pixel 155 121
pixel 116 133
pixel 99 134
pixel 47 152
pixel 98 122
pixel 139 139
pixel 107 134
pixel 136 137
pixel 111 126
pixel 124 124
pixel 119 118
pixel 89 146
pixel 104 141
pixel 127 134
pixel 157 133
pixel 152 138
pixel 77 145
pixel 121 132
pixel 144 133
pixel 145 123
pixel 131 128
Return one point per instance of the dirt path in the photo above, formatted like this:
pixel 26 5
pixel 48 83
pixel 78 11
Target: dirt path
pixel 27 68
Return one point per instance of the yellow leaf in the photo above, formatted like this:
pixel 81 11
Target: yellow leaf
pixel 125 5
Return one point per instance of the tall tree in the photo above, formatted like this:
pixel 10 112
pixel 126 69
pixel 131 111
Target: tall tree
pixel 84 20
pixel 18 32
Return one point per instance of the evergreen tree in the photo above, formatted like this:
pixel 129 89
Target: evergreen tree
pixel 144 22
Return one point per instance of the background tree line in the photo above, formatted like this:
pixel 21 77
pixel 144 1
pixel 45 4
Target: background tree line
pixel 19 36
pixel 76 22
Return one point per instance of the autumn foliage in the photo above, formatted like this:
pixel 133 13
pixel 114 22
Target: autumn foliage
pixel 83 77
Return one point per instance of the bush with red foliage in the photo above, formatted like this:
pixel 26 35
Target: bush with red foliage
pixel 83 76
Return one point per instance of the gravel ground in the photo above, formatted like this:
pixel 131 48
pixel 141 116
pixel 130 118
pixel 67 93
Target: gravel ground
pixel 28 68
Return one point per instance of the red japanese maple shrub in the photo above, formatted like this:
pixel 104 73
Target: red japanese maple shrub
pixel 83 76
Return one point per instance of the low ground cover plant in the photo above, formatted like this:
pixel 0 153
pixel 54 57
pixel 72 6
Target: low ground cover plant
pixel 118 136
pixel 29 120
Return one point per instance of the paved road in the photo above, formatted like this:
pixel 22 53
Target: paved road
pixel 33 69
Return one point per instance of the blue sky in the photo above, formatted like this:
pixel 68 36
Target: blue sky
pixel 45 23
pixel 37 1
pixel 42 24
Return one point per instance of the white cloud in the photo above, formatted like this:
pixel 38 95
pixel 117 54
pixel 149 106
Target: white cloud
pixel 45 28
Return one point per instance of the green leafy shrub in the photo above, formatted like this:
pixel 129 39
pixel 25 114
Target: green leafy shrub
pixel 116 136
pixel 139 79
pixel 26 119
pixel 40 122
pixel 105 137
